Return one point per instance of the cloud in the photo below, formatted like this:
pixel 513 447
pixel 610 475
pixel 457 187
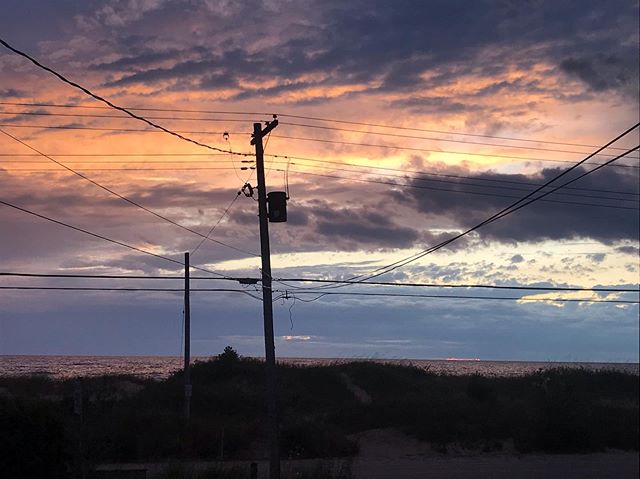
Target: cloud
pixel 517 258
pixel 627 249
pixel 603 72
pixel 296 338
pixel 597 257
pixel 375 48
pixel 570 214
pixel 11 93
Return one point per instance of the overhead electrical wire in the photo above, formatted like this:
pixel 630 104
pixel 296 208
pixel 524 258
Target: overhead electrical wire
pixel 121 117
pixel 446 140
pixel 342 293
pixel 109 103
pixel 449 296
pixel 396 147
pixel 104 238
pixel 426 150
pixel 243 280
pixel 325 120
pixel 437 175
pixel 430 188
pixel 298 125
pixel 124 198
pixel 123 130
pixel 249 280
pixel 119 108
pixel 503 212
pixel 128 290
pixel 154 125
pixel 405 173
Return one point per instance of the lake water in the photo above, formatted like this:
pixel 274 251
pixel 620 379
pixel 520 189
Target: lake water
pixel 159 367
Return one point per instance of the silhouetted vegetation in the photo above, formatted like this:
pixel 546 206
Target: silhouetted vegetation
pixel 128 419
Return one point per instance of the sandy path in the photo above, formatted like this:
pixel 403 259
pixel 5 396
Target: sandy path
pixel 390 454
pixel 590 466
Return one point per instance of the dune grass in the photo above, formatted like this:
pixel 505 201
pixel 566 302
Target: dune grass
pixel 127 419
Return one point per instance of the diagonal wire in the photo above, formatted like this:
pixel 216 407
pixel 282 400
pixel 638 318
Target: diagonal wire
pixel 124 198
pixel 112 105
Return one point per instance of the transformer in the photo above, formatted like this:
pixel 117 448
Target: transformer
pixel 277 206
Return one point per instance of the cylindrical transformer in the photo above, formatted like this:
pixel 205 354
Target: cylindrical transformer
pixel 277 205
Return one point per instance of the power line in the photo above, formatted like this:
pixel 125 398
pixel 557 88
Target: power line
pixel 124 198
pixel 104 238
pixel 127 290
pixel 342 293
pixel 120 117
pixel 489 298
pixel 425 130
pixel 215 225
pixel 172 110
pixel 450 182
pixel 123 130
pixel 427 150
pixel 326 120
pixel 397 264
pixel 360 180
pixel 137 130
pixel 107 102
pixel 505 211
pixel 438 175
pixel 560 186
pixel 110 155
pixel 243 280
pixel 405 172
pixel 446 285
pixel 248 280
pixel 53 170
pixel 363 180
pixel 300 125
pixel 446 140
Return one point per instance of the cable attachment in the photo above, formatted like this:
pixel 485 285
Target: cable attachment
pixel 247 189
pixel 225 136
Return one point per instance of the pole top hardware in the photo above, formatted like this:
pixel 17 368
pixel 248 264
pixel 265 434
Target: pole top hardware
pixel 266 130
pixel 247 189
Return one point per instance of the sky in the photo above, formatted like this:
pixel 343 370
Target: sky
pixel 401 124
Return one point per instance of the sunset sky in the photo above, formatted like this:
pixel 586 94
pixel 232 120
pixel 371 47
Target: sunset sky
pixel 486 99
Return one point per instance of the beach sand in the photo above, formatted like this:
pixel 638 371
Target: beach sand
pixel 389 454
pixel 386 453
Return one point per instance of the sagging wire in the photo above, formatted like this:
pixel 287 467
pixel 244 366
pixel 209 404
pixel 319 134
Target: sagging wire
pixel 290 310
pixel 225 137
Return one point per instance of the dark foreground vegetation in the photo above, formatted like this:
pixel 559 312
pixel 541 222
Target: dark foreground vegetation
pixel 48 428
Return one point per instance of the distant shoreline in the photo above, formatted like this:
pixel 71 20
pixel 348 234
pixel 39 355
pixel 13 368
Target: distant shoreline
pixel 319 358
pixel 161 367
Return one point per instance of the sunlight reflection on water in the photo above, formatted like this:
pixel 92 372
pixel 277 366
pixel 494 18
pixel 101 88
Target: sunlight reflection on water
pixel 160 367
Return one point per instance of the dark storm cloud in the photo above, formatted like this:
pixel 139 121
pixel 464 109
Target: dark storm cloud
pixel 469 204
pixel 602 72
pixel 314 225
pixel 364 228
pixel 390 43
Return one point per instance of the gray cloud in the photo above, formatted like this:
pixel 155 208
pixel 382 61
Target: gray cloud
pixel 469 205
pixel 11 93
pixel 517 258
pixel 391 45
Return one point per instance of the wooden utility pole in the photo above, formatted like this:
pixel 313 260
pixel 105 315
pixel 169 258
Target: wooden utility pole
pixel 267 306
pixel 187 342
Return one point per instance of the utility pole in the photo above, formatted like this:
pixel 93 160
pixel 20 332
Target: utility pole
pixel 187 342
pixel 267 306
